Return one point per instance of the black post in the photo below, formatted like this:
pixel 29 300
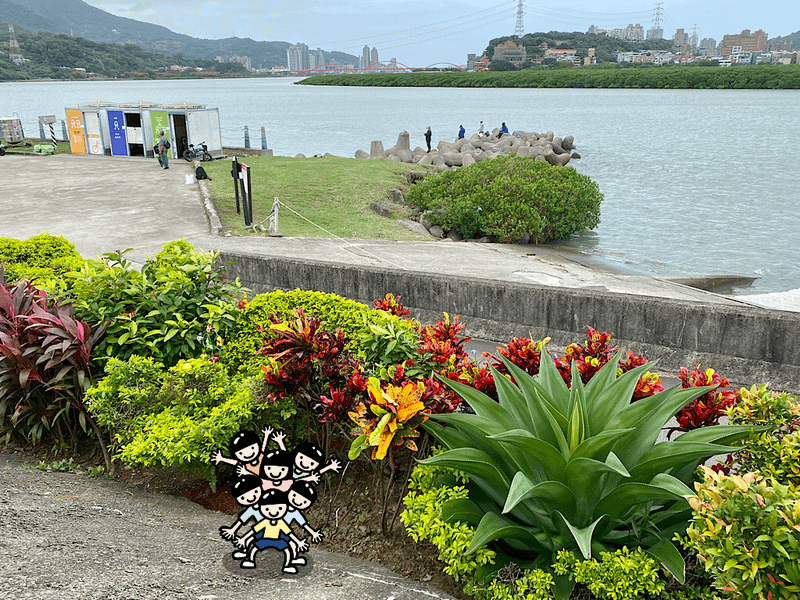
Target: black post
pixel 246 206
pixel 249 196
pixel 235 174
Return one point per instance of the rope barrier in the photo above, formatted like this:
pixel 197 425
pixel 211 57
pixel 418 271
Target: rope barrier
pixel 346 243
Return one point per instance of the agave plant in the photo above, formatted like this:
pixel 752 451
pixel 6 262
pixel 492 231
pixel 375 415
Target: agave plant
pixel 576 468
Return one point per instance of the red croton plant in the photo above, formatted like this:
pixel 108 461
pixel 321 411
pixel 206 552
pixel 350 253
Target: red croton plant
pixel 45 356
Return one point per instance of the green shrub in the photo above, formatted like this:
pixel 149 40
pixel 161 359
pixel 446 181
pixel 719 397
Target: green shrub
pixel 512 197
pixel 746 530
pixel 176 307
pixel 43 258
pixel 129 390
pixel 252 327
pixel 619 575
pixel 177 417
pixel 574 468
pixel 774 452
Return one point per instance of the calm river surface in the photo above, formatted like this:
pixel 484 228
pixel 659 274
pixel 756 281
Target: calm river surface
pixel 696 182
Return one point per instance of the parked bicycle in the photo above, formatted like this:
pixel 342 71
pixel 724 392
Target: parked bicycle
pixel 192 153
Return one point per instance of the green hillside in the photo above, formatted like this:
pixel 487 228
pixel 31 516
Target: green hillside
pixel 76 18
pixel 58 56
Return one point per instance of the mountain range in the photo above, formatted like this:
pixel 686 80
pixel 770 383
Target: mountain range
pixel 74 17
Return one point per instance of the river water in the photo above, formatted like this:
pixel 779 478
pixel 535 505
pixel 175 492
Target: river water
pixel 696 182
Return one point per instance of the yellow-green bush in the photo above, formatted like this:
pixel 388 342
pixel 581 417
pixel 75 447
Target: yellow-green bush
pixel 619 575
pixel 43 257
pixel 775 453
pixel 177 417
pixel 746 531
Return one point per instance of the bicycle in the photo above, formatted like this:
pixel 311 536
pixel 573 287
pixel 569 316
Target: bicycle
pixel 191 153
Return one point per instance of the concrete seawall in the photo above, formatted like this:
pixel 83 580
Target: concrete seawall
pixel 748 345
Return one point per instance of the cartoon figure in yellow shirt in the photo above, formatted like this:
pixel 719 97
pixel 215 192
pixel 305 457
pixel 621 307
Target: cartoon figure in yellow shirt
pixel 273 532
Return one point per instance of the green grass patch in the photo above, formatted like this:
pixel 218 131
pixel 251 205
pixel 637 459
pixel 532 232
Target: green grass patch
pixel 63 146
pixel 332 192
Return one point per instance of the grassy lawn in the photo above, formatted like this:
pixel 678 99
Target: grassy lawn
pixel 335 193
pixel 63 146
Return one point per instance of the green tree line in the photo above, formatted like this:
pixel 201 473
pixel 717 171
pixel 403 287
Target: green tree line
pixel 597 76
pixel 59 56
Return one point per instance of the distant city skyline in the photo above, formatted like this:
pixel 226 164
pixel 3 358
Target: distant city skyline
pixel 421 33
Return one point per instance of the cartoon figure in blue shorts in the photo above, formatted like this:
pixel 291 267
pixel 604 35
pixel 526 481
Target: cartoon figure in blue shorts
pixel 247 492
pixel 273 532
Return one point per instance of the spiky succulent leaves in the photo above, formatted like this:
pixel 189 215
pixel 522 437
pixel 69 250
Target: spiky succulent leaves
pixel 553 467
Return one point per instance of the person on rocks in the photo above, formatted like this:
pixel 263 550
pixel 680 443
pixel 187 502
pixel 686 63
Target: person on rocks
pixel 503 129
pixel 480 129
pixel 461 132
pixel 428 135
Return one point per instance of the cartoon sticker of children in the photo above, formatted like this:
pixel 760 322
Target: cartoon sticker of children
pixel 246 452
pixel 275 470
pixel 300 497
pixel 273 532
pixel 306 460
pixel 247 492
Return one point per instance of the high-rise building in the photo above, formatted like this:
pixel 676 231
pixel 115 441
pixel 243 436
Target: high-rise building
pixel 655 33
pixel 297 57
pixel 373 58
pixel 634 33
pixel 365 57
pixel 680 42
pixel 316 58
pixel 747 42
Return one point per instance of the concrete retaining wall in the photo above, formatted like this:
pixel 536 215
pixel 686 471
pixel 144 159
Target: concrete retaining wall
pixel 747 345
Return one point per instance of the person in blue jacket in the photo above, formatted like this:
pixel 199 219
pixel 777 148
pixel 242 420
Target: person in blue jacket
pixel 461 131
pixel 503 129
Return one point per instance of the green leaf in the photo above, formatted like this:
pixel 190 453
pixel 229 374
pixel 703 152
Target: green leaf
pixel 463 510
pixel 620 501
pixel 537 450
pixel 494 527
pixel 666 552
pixel 472 462
pixel 582 535
pixel 553 492
pixel 666 456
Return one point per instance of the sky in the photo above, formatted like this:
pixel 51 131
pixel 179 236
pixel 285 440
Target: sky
pixel 419 33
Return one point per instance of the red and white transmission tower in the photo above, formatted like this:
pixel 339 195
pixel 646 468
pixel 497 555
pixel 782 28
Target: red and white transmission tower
pixel 519 30
pixel 14 53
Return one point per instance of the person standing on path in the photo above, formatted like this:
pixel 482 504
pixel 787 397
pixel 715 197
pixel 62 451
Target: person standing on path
pixel 163 149
pixel 428 135
pixel 461 131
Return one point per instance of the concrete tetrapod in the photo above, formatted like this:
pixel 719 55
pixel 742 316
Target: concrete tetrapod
pixel 477 148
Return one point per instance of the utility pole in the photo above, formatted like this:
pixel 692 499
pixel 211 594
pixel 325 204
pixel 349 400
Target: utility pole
pixel 657 15
pixel 519 30
pixel 14 53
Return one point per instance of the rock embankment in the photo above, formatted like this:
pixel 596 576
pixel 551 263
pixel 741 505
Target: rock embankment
pixel 466 151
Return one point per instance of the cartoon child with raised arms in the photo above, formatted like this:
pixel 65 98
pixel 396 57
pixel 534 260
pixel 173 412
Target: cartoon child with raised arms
pixel 246 452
